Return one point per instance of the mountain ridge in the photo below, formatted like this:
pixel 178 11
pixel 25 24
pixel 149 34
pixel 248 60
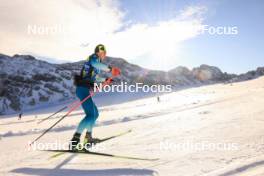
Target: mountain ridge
pixel 28 83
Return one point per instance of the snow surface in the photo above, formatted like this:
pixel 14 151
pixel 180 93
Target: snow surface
pixel 215 114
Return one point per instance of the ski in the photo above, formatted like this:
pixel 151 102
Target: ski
pixel 103 154
pixel 60 152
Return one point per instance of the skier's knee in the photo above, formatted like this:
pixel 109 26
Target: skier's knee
pixel 96 114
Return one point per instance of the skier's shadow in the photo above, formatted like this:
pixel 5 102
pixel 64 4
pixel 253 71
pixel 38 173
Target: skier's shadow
pixel 58 171
pixel 102 172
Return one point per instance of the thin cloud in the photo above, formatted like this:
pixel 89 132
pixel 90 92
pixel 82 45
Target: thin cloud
pixel 157 46
pixel 95 22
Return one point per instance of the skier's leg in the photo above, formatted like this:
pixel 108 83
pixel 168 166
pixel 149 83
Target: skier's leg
pixel 93 116
pixel 81 92
pixel 90 124
pixel 87 106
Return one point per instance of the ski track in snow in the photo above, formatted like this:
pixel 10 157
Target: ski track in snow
pixel 115 121
pixel 105 123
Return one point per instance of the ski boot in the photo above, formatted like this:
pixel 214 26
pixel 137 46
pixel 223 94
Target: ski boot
pixel 75 141
pixel 89 141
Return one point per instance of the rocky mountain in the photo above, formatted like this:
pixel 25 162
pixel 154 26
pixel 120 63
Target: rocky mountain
pixel 28 83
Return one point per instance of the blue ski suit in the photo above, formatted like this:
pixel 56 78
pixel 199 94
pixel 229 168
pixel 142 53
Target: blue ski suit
pixel 91 68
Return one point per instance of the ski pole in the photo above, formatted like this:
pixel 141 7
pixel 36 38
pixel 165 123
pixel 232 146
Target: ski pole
pixel 65 107
pixel 42 120
pixel 72 109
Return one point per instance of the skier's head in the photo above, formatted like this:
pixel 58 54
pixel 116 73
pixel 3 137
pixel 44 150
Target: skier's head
pixel 100 51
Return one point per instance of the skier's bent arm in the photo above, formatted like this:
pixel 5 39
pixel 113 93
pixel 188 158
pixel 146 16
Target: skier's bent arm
pixel 99 79
pixel 100 66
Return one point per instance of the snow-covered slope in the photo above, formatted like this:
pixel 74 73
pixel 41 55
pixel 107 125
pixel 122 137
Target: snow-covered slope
pixel 206 131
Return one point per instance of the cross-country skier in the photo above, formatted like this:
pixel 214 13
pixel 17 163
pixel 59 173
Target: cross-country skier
pixel 84 83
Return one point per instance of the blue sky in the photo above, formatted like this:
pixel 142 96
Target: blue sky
pixel 232 53
pixel 155 34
